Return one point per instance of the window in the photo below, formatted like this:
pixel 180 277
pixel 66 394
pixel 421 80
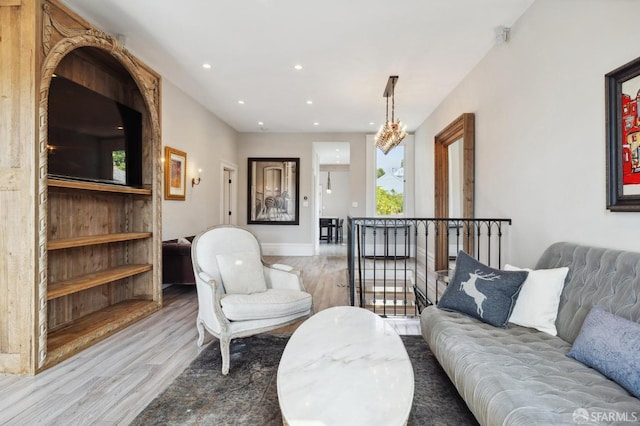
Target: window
pixel 119 166
pixel 390 182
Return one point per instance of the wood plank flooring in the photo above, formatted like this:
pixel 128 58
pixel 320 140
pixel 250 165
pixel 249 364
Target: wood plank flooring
pixel 112 381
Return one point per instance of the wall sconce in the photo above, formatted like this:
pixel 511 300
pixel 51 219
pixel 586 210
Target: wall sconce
pixel 196 181
pixel 328 182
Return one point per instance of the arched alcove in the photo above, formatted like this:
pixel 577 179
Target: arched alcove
pixel 98 240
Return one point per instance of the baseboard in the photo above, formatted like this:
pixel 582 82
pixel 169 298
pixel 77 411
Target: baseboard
pixel 287 249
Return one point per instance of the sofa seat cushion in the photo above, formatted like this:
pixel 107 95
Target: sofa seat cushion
pixel 273 303
pixel 518 375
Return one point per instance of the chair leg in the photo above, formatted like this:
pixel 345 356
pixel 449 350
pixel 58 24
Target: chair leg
pixel 200 327
pixel 225 342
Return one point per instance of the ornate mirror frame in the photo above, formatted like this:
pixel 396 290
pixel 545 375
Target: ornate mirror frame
pixel 463 128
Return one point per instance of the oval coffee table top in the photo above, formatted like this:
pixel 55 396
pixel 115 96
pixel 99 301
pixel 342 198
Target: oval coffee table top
pixel 345 365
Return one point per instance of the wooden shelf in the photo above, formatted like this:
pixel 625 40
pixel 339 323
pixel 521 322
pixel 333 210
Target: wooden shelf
pixel 95 186
pixel 87 281
pixel 86 331
pixel 96 239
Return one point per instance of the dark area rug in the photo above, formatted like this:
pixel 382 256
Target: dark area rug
pixel 201 395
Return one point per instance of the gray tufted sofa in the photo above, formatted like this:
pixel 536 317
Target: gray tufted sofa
pixel 521 376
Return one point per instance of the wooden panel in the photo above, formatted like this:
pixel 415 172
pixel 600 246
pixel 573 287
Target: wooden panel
pixel 12 179
pixel 90 329
pixel 84 282
pixel 67 264
pixel 99 72
pixel 84 213
pixel 67 309
pixel 96 239
pixel 92 186
pixel 18 168
pixel 10 362
pixel 36 36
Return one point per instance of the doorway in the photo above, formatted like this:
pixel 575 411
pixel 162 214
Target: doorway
pixel 332 195
pixel 228 194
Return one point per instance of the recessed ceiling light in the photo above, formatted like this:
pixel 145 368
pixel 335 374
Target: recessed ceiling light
pixel 241 102
pixel 120 128
pixel 206 66
pixel 297 67
pixel 337 149
pixel 309 102
pixel 316 124
pixel 260 123
pixel 371 123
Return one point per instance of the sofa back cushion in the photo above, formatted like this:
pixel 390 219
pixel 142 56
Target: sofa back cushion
pixel 597 277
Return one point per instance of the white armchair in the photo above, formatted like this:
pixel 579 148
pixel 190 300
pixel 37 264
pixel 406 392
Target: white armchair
pixel 238 294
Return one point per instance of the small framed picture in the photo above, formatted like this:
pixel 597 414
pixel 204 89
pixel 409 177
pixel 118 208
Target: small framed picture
pixel 175 174
pixel 622 87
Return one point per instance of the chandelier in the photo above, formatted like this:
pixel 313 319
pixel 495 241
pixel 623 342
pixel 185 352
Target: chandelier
pixel 391 132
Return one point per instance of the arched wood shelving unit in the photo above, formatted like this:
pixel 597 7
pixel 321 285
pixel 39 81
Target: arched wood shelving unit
pixel 96 259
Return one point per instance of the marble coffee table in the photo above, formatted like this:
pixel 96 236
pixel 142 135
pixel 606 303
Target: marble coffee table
pixel 345 366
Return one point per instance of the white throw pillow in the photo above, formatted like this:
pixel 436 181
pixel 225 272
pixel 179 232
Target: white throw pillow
pixel 241 272
pixel 537 304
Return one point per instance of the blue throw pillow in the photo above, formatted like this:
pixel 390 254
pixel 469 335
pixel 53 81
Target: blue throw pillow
pixel 482 292
pixel 611 345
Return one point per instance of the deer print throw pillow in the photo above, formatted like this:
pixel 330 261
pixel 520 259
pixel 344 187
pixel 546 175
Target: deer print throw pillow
pixel 482 292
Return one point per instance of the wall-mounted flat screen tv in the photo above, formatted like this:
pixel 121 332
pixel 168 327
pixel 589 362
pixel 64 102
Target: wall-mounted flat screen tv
pixel 92 137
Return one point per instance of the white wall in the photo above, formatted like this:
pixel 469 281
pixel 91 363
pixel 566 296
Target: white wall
pixel 297 240
pixel 540 127
pixel 207 140
pixel 338 203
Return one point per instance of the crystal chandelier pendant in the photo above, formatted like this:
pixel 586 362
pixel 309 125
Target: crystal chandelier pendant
pixel 391 132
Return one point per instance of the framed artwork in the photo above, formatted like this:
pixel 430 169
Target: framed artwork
pixel 622 90
pixel 175 174
pixel 273 191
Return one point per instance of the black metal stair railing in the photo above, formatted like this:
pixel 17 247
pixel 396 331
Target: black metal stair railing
pixel 391 261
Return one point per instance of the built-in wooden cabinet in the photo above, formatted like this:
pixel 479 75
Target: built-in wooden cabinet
pixel 100 271
pixel 79 260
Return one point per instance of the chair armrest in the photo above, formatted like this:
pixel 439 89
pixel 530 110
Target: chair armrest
pixel 206 277
pixel 217 289
pixel 209 308
pixel 281 267
pixel 280 276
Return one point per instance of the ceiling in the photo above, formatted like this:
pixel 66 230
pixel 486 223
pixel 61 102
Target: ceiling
pixel 334 153
pixel 347 50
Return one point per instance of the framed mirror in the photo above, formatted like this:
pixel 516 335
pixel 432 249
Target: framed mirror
pixel 273 191
pixel 454 187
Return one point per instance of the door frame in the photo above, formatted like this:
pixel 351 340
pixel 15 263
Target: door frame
pixel 233 192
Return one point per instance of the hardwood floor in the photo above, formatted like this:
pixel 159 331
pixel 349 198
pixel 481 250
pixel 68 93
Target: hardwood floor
pixel 112 381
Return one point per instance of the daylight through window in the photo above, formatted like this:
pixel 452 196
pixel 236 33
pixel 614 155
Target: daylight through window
pixel 390 182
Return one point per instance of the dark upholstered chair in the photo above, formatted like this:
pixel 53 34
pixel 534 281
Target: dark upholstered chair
pixel 177 267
